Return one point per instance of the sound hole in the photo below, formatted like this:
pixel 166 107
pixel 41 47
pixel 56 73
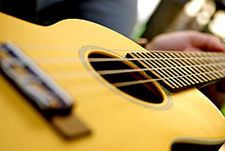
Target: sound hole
pixel 195 147
pixel 146 92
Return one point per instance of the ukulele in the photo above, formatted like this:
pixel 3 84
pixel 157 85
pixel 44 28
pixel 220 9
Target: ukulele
pixel 76 85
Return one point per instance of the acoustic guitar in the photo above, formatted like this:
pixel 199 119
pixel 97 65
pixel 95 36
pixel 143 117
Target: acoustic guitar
pixel 78 86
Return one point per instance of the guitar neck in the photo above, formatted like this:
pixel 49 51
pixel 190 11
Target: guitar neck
pixel 178 70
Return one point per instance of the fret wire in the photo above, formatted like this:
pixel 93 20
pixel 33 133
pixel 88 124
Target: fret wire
pixel 168 71
pixel 106 72
pixel 217 61
pixel 157 73
pixel 206 68
pixel 218 67
pixel 190 70
pixel 162 63
pixel 155 64
pixel 135 55
pixel 122 84
pixel 174 70
pixel 199 68
pixel 182 71
pixel 218 75
pixel 172 82
pixel 197 78
pixel 196 69
pixel 150 64
pixel 194 61
pixel 203 69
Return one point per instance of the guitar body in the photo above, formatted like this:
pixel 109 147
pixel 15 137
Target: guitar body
pixel 117 120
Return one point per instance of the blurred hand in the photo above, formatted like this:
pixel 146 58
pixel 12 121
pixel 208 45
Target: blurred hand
pixel 186 41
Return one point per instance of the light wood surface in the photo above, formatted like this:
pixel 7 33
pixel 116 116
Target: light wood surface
pixel 117 121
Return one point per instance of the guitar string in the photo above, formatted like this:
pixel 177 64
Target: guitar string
pixel 128 83
pixel 66 48
pixel 149 59
pixel 132 70
pixel 32 47
pixel 108 72
pixel 121 71
pixel 95 87
pixel 78 60
pixel 63 48
pixel 72 48
pixel 120 84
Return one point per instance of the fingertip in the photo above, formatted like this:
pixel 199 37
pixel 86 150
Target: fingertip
pixel 192 50
pixel 218 45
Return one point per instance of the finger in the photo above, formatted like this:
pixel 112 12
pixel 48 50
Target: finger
pixel 192 50
pixel 207 42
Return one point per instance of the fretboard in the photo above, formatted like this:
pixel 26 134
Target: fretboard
pixel 178 70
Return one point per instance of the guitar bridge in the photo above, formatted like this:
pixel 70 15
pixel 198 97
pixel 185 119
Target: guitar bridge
pixel 50 99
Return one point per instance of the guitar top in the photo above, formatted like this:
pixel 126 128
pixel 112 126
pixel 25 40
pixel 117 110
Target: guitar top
pixel 91 88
